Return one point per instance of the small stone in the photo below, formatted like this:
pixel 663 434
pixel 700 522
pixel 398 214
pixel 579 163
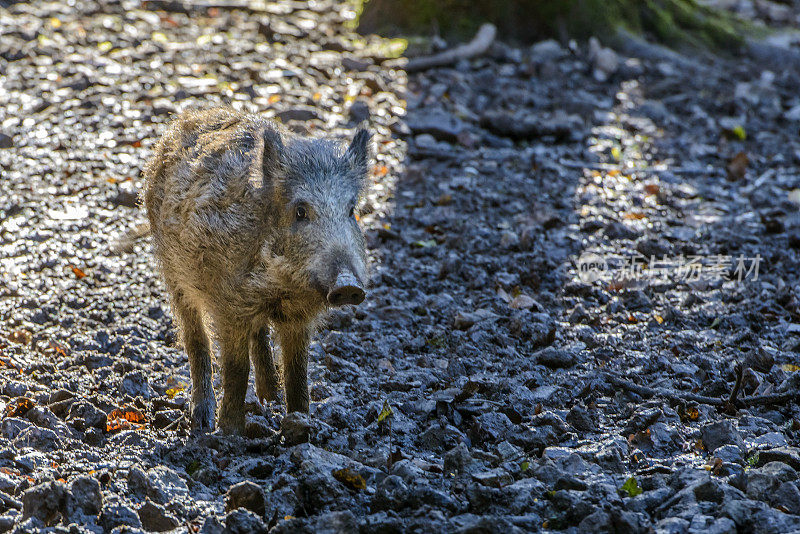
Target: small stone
pixel 83 415
pixel 465 319
pixel 42 439
pixel 494 478
pixel 721 433
pixel 390 494
pixel 770 440
pixel 555 358
pixel 6 141
pixel 359 111
pixel 788 497
pixel 160 484
pixel 359 65
pixel 296 428
pixel 45 501
pixel 793 115
pixel 549 50
pixel 442 125
pixel 241 521
pixel 457 459
pixel 605 61
pixel 581 419
pixel 246 495
pixel 119 515
pixel 136 384
pixel 85 496
pixel 340 522
pixel 297 114
pixel 730 453
pixel 155 518
pixel 212 525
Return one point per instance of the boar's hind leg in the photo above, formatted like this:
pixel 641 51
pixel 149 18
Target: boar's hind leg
pixel 235 370
pixel 263 365
pixel 294 351
pixel 195 341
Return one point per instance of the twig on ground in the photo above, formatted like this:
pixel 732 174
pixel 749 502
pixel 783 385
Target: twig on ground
pixel 730 405
pixel 476 47
pixel 174 423
pixel 649 392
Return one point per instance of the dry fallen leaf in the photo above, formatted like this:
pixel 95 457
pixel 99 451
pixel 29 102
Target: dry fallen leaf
pixel 634 216
pixel 127 418
pixel 78 273
pixel 58 348
pixel 23 337
pixel 350 479
pixel 652 189
pixel 737 167
pixel 19 406
pixel 171 392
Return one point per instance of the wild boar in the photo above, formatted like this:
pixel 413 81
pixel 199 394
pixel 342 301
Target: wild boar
pixel 255 228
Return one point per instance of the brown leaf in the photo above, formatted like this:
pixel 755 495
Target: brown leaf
pixel 58 348
pixel 652 189
pixel 127 418
pixel 23 337
pixel 350 479
pixel 737 167
pixel 78 273
pixel 19 406
pixel 634 216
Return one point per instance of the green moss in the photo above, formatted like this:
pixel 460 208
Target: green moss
pixel 678 23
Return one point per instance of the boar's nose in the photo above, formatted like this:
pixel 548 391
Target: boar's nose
pixel 346 290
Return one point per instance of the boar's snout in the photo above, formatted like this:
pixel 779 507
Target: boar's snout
pixel 345 290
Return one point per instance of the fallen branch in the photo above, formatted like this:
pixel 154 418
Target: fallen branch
pixel 648 392
pixel 188 7
pixel 476 47
pixel 730 405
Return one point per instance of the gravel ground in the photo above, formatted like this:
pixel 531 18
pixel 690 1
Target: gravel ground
pixel 565 331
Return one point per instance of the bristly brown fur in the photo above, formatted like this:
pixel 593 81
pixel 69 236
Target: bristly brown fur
pixel 222 193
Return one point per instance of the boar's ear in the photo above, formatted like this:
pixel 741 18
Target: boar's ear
pixel 272 158
pixel 358 153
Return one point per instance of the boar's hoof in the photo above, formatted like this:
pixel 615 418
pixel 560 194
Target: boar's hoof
pixel 203 416
pixel 346 290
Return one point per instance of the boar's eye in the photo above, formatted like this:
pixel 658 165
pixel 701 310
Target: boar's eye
pixel 301 213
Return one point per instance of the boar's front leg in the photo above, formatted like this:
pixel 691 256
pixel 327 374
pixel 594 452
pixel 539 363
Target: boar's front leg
pixel 264 367
pixel 195 342
pixel 235 371
pixel 294 350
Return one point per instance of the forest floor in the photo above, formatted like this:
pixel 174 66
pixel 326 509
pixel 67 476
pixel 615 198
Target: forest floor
pixel 583 313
